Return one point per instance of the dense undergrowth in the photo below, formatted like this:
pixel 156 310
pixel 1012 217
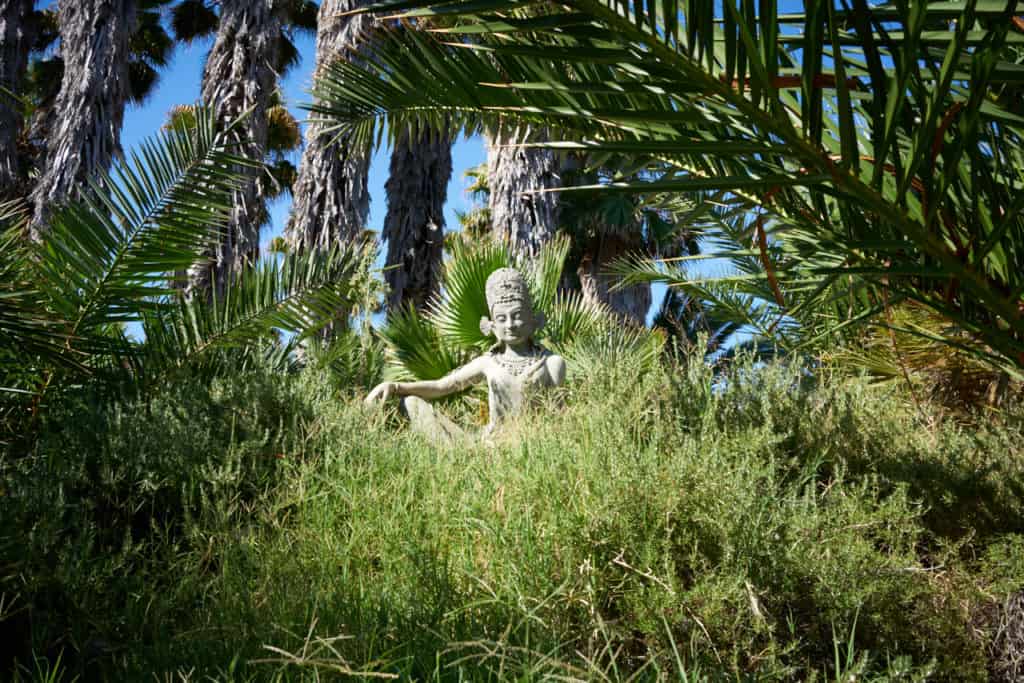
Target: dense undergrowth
pixel 757 524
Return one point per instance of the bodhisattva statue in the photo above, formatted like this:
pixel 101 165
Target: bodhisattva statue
pixel 515 368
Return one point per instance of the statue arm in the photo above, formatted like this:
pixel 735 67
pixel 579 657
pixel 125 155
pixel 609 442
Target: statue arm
pixel 457 380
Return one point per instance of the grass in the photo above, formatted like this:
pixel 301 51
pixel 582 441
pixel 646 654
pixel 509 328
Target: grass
pixel 757 525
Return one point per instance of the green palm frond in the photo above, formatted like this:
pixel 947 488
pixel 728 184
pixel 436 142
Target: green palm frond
pixel 869 141
pixel 456 312
pixel 106 258
pixel 572 317
pixel 620 349
pixel 691 321
pixel 544 273
pixel 416 350
pixel 356 361
pixel 298 295
pixel 592 338
pixel 26 328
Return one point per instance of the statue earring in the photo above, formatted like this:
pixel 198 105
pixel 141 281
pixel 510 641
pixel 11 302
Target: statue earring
pixel 486 326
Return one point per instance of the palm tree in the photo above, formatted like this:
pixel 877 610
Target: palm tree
pixel 332 200
pixel 149 48
pixel 89 109
pixel 15 42
pixel 252 49
pixel 603 246
pixel 414 226
pixel 603 229
pixel 876 148
pixel 525 221
pixel 239 80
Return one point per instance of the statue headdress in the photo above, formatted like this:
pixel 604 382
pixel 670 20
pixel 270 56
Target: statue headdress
pixel 505 286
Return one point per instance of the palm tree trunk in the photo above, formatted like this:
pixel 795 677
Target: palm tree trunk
pixel 15 43
pixel 523 221
pixel 331 197
pixel 632 302
pixel 239 79
pixel 414 225
pixel 89 111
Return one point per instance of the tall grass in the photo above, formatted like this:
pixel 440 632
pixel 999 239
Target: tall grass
pixel 666 524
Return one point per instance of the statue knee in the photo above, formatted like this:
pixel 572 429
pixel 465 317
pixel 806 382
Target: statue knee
pixel 415 407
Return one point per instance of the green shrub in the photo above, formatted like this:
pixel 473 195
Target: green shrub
pixel 758 524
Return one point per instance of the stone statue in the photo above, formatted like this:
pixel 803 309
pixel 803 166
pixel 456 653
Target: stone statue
pixel 514 368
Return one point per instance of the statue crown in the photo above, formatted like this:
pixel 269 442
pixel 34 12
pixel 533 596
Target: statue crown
pixel 505 286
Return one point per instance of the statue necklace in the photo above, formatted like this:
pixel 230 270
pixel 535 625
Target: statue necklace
pixel 517 365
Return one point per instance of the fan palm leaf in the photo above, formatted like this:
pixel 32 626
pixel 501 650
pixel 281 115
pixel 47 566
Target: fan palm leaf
pixel 416 349
pixel 457 310
pixel 449 334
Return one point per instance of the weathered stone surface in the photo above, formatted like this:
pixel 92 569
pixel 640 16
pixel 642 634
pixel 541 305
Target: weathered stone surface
pixel 516 369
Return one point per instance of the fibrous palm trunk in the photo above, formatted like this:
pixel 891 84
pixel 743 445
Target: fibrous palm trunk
pixel 414 226
pixel 596 284
pixel 14 48
pixel 238 79
pixel 331 197
pixel 89 110
pixel 523 221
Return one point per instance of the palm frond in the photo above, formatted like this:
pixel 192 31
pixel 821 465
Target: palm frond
pixel 544 273
pixel 416 350
pixel 107 258
pixel 869 142
pixel 457 311
pixel 26 328
pixel 297 295
pixel 572 317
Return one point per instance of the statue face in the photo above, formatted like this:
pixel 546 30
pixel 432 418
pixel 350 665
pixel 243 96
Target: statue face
pixel 513 323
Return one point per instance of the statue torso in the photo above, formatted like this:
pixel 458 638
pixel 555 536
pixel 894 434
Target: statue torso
pixel 511 384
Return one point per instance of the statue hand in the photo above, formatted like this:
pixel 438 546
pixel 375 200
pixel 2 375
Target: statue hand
pixel 381 393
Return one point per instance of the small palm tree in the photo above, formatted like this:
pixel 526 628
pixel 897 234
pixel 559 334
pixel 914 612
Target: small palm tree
pixel 474 224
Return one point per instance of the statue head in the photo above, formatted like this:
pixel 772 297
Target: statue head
pixel 513 320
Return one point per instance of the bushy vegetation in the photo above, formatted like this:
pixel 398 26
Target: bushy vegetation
pixel 758 523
